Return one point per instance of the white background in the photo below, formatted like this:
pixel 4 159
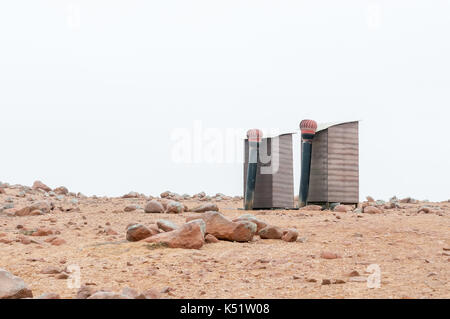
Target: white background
pixel 91 91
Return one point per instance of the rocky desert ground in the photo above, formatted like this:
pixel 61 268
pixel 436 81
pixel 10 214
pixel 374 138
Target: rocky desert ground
pixel 58 244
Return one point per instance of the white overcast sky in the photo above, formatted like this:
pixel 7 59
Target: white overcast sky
pixel 92 91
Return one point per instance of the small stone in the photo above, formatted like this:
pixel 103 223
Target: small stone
pixel 58 241
pixel 175 208
pixel 208 207
pixel 354 273
pixel 50 270
pixel 84 292
pixel 342 208
pixel 62 276
pixel 326 282
pixel 152 294
pixel 425 209
pixel 110 232
pixel 329 255
pixel 131 195
pixel 372 210
pixel 311 208
pixel 200 195
pixel 290 235
pixel 132 293
pixel 42 232
pixel 61 190
pixel 130 208
pixel 210 239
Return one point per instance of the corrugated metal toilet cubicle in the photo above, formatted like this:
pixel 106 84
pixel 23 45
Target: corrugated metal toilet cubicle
pixel 275 179
pixel 334 174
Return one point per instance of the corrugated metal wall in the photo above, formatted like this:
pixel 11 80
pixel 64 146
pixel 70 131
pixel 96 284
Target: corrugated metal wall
pixel 343 163
pixel 318 181
pixel 335 165
pixel 275 189
pixel 283 180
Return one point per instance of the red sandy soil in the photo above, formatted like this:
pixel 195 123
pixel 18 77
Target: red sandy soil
pixel 410 247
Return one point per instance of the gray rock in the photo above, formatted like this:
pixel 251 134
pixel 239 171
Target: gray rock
pixel 13 287
pixel 166 225
pixel 154 206
pixel 208 207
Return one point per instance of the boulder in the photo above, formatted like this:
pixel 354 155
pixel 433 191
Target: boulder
pixel 139 232
pixel 154 206
pixel 13 287
pixel 165 194
pixel 271 232
pixel 222 228
pixel 40 185
pixel 35 208
pixel 188 236
pixel 248 217
pixel 174 208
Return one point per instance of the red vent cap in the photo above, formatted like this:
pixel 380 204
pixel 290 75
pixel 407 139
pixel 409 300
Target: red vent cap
pixel 254 135
pixel 308 126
